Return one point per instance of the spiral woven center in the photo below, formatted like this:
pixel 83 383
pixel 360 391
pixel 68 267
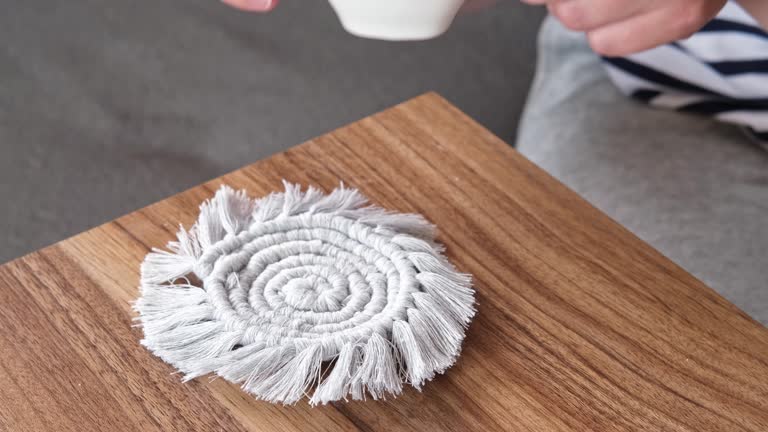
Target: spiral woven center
pixel 307 277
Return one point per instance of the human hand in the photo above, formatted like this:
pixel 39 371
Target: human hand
pixel 622 27
pixel 253 5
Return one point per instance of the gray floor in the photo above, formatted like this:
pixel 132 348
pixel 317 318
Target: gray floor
pixel 106 106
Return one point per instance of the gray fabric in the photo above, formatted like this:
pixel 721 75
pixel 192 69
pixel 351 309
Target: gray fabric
pixel 106 106
pixel 695 189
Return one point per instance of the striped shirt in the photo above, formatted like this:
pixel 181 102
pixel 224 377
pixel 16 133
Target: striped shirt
pixel 721 71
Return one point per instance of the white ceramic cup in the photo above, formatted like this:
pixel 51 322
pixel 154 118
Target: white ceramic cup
pixel 396 19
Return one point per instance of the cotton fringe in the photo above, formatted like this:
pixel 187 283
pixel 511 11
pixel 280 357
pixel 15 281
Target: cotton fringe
pixel 305 294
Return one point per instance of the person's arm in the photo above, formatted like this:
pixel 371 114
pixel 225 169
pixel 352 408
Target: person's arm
pixel 758 9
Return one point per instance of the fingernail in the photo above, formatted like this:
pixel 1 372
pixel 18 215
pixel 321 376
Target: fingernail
pixel 257 4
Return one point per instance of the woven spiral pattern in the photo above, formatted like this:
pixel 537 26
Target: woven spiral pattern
pixel 302 291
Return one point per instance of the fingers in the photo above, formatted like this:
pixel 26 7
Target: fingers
pixel 622 27
pixel 651 29
pixel 583 15
pixel 252 5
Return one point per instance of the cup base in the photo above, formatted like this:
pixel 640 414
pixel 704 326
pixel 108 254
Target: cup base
pixel 393 34
pixel 396 20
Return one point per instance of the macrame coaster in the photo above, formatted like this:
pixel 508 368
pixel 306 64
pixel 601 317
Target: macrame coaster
pixel 304 291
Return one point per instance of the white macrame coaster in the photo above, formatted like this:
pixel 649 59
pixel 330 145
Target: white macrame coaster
pixel 302 291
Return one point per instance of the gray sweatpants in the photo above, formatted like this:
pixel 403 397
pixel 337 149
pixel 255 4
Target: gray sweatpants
pixel 695 189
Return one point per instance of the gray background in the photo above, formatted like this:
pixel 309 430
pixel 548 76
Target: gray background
pixel 106 106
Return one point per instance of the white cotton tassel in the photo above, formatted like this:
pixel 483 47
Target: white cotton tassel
pixel 407 223
pixel 233 208
pixel 410 353
pixel 292 198
pixel 232 360
pixel 252 363
pixel 452 290
pixel 425 262
pixel 336 385
pixel 295 201
pixel 267 208
pixel 439 337
pixel 414 244
pixel 196 358
pixel 454 298
pixel 182 343
pixel 433 356
pixel 447 334
pixel 387 376
pixel 168 298
pixel 186 244
pixel 160 267
pixel 209 228
pixel 163 321
pixel 162 308
pixel 291 382
pixel 356 387
pixel 228 212
pixel 378 373
pixel 339 201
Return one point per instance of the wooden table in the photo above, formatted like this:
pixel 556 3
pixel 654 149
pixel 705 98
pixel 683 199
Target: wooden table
pixel 581 326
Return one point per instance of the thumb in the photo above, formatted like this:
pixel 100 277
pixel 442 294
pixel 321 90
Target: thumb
pixel 253 5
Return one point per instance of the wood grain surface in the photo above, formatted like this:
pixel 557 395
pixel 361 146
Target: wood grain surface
pixel 581 326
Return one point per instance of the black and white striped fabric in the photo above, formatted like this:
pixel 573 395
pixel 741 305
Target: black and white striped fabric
pixel 721 71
